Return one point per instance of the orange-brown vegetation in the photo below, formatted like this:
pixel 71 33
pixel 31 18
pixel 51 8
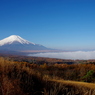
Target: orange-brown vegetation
pixel 45 76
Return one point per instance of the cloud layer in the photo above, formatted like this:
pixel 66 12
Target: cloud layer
pixel 68 55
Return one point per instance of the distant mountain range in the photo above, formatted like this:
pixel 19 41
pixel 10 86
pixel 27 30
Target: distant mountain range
pixel 16 43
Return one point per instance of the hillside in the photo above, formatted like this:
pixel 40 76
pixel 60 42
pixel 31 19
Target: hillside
pixel 22 76
pixel 75 83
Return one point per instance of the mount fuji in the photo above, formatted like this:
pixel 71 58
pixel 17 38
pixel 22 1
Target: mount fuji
pixel 16 43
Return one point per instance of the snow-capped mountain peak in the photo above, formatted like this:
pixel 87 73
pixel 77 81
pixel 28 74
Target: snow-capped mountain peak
pixel 14 38
pixel 16 43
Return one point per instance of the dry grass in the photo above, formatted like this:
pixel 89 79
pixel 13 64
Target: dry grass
pixel 81 84
pixel 63 87
pixel 18 79
pixel 23 79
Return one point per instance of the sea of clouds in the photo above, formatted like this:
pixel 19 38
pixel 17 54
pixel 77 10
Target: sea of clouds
pixel 84 55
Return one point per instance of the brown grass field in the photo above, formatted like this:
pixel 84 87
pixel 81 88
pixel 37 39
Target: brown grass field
pixel 24 78
pixel 76 83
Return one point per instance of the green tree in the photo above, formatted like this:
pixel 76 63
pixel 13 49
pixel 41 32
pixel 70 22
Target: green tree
pixel 89 76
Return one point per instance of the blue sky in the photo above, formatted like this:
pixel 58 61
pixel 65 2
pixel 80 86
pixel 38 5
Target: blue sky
pixel 60 24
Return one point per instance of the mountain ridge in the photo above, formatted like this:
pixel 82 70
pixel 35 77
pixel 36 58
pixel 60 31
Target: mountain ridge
pixel 17 43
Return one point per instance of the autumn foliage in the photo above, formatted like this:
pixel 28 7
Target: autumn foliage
pixel 32 76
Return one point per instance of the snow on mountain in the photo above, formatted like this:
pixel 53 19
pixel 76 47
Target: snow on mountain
pixel 14 38
pixel 16 43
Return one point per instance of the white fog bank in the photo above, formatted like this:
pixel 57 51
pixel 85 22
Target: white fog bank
pixel 68 55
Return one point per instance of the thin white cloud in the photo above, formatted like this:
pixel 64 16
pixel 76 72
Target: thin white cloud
pixel 68 55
